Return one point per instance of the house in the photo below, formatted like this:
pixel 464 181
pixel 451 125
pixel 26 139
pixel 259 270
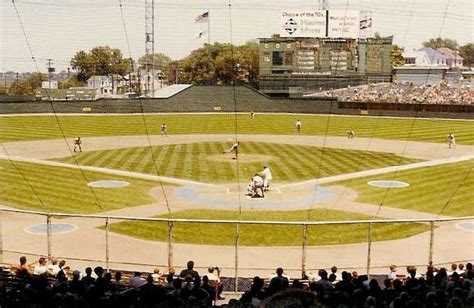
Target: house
pixel 144 82
pixel 425 56
pixel 429 57
pixel 107 86
pixel 102 85
pixel 152 81
pixel 453 59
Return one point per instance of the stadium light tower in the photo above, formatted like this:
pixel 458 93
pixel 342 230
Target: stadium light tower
pixel 149 47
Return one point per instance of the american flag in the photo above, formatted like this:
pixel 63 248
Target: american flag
pixel 203 18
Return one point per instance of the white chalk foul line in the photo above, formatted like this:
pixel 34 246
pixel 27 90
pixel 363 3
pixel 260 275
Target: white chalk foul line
pixel 384 170
pixel 107 170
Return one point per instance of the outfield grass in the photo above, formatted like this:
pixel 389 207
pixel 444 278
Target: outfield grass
pixel 47 127
pixel 266 235
pixel 445 189
pixel 190 161
pixel 65 190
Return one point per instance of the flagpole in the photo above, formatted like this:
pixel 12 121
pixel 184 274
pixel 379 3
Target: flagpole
pixel 209 43
pixel 208 27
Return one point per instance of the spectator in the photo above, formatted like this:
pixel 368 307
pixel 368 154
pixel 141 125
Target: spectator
pixel 454 268
pixel 460 269
pixel 279 282
pixel 136 280
pixel 156 275
pixel 118 279
pixel 23 269
pixel 207 287
pixel 59 267
pixel 324 282
pixel 256 293
pixel 189 271
pixel 469 272
pixel 42 268
pixel 169 283
pixel 214 280
pixel 88 279
pixel 392 275
pixel 334 276
pixel 76 285
pixel 150 294
pixel 345 285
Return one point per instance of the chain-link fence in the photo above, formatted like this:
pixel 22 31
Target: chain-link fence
pixel 91 240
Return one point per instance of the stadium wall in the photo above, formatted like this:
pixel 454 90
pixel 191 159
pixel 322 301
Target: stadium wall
pixel 221 99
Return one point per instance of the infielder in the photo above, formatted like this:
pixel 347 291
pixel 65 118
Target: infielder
pixel 451 141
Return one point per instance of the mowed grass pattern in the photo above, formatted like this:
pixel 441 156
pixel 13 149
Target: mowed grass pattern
pixel 50 127
pixel 266 235
pixel 65 190
pixel 444 190
pixel 288 163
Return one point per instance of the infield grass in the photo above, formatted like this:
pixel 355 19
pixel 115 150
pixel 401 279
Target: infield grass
pixel 444 189
pixel 50 127
pixel 64 190
pixel 266 235
pixel 288 163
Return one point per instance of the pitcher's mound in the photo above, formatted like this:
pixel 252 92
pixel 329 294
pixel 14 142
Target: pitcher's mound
pixel 243 158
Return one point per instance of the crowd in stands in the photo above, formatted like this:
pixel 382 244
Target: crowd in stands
pixel 441 93
pixel 56 285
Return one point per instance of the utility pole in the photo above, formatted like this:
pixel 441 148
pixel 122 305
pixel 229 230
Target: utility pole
pixel 150 46
pixel 130 76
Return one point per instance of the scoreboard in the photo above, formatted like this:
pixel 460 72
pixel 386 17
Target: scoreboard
pixel 325 56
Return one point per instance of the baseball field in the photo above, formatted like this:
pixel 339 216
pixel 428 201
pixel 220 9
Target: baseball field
pixel 42 173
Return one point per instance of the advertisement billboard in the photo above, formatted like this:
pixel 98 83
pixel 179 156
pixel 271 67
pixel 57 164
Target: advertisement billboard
pixel 365 24
pixel 343 24
pixel 305 23
pixel 320 23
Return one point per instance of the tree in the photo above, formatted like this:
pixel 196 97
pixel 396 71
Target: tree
pixel 396 56
pixel 162 62
pixel 28 85
pixel 440 42
pixel 101 60
pixel 249 62
pixel 159 60
pixel 221 64
pixel 69 83
pixel 467 52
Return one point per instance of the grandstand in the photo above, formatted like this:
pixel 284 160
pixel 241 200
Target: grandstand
pixel 438 287
pixel 399 93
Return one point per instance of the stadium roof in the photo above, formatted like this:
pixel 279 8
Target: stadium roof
pixel 170 90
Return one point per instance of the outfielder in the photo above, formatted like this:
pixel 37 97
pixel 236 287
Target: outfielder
pixel 77 144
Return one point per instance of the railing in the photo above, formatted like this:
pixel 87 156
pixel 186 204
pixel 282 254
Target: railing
pixel 6 236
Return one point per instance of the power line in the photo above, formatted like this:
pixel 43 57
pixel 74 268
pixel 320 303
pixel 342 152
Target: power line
pixel 96 199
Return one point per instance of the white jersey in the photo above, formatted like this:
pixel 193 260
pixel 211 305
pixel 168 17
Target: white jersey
pixel 267 174
pixel 257 180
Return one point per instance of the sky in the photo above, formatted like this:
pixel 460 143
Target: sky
pixel 57 29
